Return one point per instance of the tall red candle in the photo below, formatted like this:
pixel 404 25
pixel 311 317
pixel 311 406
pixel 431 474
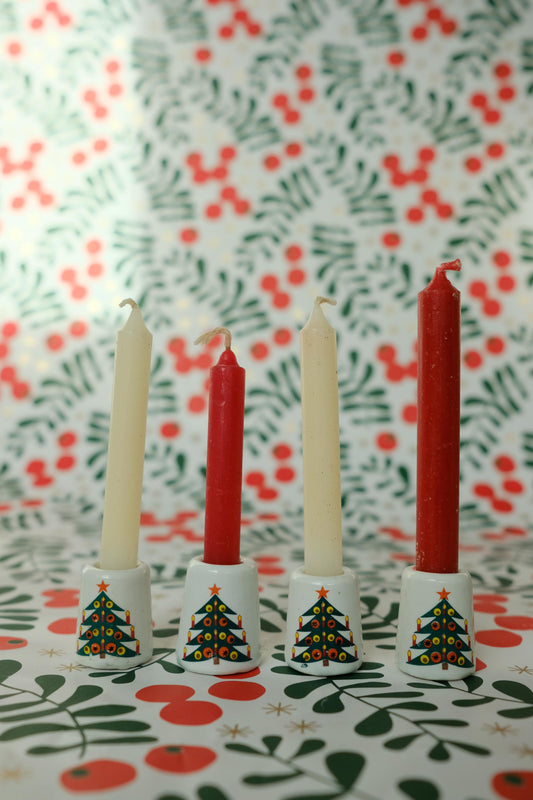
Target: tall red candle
pixel 224 458
pixel 438 379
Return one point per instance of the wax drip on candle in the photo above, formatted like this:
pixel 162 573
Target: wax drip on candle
pixel 205 338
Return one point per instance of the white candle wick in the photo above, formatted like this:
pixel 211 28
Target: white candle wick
pixel 319 300
pixel 205 338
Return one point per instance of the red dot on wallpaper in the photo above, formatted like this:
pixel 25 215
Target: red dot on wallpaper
pixel 516 623
pixel 237 690
pixel 498 638
pixel 66 626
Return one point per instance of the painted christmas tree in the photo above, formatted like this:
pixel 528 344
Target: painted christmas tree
pixel 324 637
pixel 215 635
pixel 442 639
pixel 103 631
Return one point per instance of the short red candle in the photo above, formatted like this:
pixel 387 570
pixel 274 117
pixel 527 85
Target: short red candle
pixel 224 461
pixel 438 395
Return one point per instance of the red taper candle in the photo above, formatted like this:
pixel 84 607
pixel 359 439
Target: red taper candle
pixel 224 457
pixel 438 395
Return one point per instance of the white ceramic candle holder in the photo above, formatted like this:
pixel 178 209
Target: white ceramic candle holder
pixel 324 632
pixel 219 626
pixel 436 625
pixel 115 617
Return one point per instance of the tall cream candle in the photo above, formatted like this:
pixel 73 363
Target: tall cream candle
pixel 127 434
pixel 321 446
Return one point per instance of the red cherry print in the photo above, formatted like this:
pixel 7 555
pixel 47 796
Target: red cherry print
pixel 391 239
pixel 434 14
pixel 391 162
pixel 504 464
pixel 506 283
pixel 68 275
pixel 516 623
pixel 226 32
pixel 498 638
pixel 419 32
pixel 399 179
pixel 483 490
pixel 176 345
pixel 269 283
pixel 495 150
pixel 306 95
pixel 419 175
pixel 35 466
pixel 293 253
pixel 18 202
pixel 193 160
pixel 204 361
pixel 448 26
pixel 506 93
pixel 255 479
pixel 242 207
pixel 478 289
pixel 502 70
pixel 196 404
pixel 188 235
pixel 292 116
pixel 282 336
pixel 396 58
pixel 266 493
pixel 293 149
pixel 179 708
pixel 409 413
pixel 513 784
pixel 444 210
pixel 65 463
pixel 112 66
pixel 491 308
pixel 203 54
pixel 271 163
pixel 472 359
pixel 386 353
pixel 213 211
pixel 228 193
pixel 254 29
pixel 304 72
pixel 259 351
pixel 20 390
pixel 504 506
pixel 181 759
pixel 495 345
pixel 282 451
pixel 11 642
pixel 513 487
pixel 169 430
pixel 14 48
pixel 280 101
pixel 285 474
pixel 227 153
pixel 491 116
pixel 98 775
pixel 281 300
pixel 79 158
pixel 501 258
pixel 66 626
pixel 7 374
pixel 395 373
pixel 4 350
pixel 67 439
pixel 473 164
pixel 62 598
pixel 478 100
pixel 237 690
pixel 415 215
pixel 386 441
pixel 296 277
pixel 9 329
pixel 78 328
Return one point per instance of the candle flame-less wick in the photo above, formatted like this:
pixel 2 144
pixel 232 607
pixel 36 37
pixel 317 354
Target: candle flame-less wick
pixel 205 338
pixel 319 300
pixel 128 301
pixel 456 265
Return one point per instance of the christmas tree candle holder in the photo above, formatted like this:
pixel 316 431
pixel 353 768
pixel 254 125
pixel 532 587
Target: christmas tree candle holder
pixel 219 626
pixel 324 631
pixel 435 638
pixel 115 617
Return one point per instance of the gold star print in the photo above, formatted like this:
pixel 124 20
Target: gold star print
pixel 279 709
pixel 497 728
pixel 51 652
pixel 524 751
pixel 303 726
pixel 71 667
pixel 13 774
pixel 226 730
pixel 521 670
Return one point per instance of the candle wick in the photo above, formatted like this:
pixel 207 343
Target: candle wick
pixel 128 301
pixel 205 338
pixel 319 300
pixel 456 265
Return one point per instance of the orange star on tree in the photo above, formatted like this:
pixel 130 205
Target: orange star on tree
pixel 444 594
pixel 214 589
pixel 103 587
pixel 322 592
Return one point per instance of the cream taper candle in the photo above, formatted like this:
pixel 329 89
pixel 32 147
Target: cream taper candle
pixel 321 446
pixel 127 434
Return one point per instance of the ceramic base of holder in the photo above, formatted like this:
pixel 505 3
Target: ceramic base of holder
pixel 324 631
pixel 219 626
pixel 435 638
pixel 115 617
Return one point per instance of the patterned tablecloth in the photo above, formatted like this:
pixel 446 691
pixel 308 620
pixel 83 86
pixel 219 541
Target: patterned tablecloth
pixel 223 162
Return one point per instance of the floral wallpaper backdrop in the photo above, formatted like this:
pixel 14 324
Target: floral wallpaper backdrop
pixel 223 163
